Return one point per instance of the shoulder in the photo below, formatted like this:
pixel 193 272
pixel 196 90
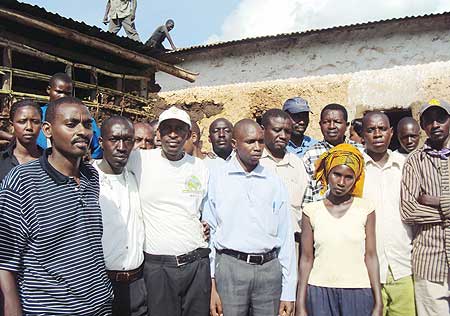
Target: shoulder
pixel 364 204
pixel 310 209
pixel 18 176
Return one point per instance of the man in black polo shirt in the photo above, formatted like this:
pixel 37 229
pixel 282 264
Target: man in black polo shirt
pixel 51 225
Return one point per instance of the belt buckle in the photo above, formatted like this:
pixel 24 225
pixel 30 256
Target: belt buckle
pixel 178 261
pixel 121 277
pixel 256 256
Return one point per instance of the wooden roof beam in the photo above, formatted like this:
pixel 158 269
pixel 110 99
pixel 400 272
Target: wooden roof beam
pixel 98 44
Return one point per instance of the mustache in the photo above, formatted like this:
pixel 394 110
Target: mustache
pixel 81 138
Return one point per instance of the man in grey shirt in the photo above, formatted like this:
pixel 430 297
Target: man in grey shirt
pixel 122 13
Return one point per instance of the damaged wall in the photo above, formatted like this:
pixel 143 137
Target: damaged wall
pixel 397 87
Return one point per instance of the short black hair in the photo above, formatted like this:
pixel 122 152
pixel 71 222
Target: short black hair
pixel 114 119
pixel 357 125
pixel 53 106
pixel 60 76
pixel 23 103
pixel 265 121
pixel 373 113
pixel 335 107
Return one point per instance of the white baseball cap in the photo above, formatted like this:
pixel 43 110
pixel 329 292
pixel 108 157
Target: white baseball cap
pixel 174 113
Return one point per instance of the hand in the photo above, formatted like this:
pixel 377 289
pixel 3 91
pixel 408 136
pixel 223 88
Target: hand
pixel 215 306
pixel 206 231
pixel 105 20
pixel 286 308
pixel 211 155
pixel 429 200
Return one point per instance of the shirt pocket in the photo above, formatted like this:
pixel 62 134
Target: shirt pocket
pixel 272 219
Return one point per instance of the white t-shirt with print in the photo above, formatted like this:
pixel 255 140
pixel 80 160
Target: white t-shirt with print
pixel 172 194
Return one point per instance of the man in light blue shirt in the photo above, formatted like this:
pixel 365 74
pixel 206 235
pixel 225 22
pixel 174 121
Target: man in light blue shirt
pixel 298 109
pixel 253 262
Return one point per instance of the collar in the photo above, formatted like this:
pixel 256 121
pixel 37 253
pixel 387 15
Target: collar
pixel 57 176
pixel 285 161
pixel 228 158
pixel 234 167
pixel 443 153
pixel 393 158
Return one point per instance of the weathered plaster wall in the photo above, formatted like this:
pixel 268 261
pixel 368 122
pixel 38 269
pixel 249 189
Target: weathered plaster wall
pixel 385 45
pixel 395 87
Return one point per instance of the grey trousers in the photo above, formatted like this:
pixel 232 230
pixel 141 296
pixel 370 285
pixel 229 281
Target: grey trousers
pixel 247 289
pixel 130 29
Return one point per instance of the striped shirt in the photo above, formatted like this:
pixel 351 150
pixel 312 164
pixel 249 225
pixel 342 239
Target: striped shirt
pixel 425 174
pixel 312 192
pixel 50 232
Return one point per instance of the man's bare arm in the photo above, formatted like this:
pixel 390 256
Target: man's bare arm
pixel 169 38
pixel 8 286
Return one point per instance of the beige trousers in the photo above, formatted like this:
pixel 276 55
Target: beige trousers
pixel 432 298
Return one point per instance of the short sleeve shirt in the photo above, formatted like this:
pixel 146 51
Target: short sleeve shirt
pixel 50 235
pixel 339 245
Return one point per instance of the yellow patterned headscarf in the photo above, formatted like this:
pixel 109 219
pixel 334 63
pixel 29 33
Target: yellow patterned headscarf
pixel 342 154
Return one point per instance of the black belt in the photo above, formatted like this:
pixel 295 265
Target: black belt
pixel 180 260
pixel 251 258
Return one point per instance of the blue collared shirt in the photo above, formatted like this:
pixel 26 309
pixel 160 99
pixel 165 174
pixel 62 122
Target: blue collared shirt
pixel 97 152
pixel 303 148
pixel 249 212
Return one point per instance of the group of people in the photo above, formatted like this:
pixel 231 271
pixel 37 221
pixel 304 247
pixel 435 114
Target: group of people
pixel 134 219
pixel 122 13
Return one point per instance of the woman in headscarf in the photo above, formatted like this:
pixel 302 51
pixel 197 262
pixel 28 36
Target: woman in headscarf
pixel 339 264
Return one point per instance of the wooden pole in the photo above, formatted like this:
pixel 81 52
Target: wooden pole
pixel 98 44
pixel 7 62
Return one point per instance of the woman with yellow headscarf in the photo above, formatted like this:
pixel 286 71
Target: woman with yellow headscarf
pixel 338 274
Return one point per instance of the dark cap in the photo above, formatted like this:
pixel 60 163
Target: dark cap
pixel 435 103
pixel 296 105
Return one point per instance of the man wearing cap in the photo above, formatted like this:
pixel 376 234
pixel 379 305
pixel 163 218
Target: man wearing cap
pixel 298 109
pixel 172 186
pixel 425 197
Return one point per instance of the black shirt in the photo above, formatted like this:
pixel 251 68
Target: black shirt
pixel 7 161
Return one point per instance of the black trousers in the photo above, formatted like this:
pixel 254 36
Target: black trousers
pixel 129 298
pixel 178 291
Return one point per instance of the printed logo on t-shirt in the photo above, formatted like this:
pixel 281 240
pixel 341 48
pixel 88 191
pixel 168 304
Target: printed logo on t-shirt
pixel 192 185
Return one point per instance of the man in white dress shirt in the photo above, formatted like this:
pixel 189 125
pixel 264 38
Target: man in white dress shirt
pixel 382 186
pixel 123 226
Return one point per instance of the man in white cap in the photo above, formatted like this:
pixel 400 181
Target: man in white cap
pixel 298 109
pixel 172 186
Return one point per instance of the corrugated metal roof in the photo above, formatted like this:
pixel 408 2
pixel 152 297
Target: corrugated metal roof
pixel 41 13
pixel 183 51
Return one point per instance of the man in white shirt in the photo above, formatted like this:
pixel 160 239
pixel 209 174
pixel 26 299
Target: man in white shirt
pixel 123 227
pixel 287 165
pixel 172 186
pixel 382 186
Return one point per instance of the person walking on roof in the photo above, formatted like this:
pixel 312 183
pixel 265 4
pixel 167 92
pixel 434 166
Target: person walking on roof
pixel 122 13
